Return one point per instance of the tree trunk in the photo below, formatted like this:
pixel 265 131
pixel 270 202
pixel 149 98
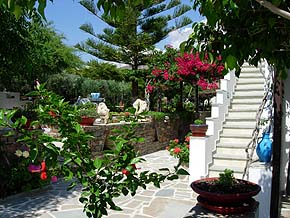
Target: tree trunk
pixel 196 99
pixel 275 191
pixel 135 83
pixel 134 89
pixel 180 103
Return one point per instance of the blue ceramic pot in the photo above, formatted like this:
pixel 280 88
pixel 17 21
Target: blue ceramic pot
pixel 264 148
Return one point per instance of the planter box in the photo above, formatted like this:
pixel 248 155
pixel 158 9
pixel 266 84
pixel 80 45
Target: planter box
pixel 198 130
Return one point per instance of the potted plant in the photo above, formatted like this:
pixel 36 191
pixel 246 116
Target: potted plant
pixel 88 114
pixel 226 194
pixel 198 128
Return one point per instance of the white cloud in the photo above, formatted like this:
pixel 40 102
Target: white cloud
pixel 178 36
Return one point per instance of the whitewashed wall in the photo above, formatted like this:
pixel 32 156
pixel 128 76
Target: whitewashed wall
pixel 285 134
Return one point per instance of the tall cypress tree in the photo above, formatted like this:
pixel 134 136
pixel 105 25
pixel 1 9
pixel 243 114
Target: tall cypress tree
pixel 129 39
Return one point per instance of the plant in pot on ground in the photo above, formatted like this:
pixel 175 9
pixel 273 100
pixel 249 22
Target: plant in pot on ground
pixel 198 128
pixel 226 194
pixel 88 113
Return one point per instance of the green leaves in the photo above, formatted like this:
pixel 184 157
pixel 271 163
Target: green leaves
pixel 231 62
pixel 98 163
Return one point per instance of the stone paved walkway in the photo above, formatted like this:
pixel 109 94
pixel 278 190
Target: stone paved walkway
pixel 173 200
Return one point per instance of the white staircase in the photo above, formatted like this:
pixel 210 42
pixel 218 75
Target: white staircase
pixel 239 123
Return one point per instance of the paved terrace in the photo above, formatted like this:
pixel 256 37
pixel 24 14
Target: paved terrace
pixel 174 199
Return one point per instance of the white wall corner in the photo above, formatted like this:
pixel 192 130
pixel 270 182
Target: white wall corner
pixel 198 158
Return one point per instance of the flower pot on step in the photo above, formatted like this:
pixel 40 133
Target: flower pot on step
pixel 198 130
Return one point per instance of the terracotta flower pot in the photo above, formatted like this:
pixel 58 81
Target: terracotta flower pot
pixel 87 121
pixel 238 199
pixel 198 129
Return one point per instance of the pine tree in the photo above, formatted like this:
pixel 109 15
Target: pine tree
pixel 130 39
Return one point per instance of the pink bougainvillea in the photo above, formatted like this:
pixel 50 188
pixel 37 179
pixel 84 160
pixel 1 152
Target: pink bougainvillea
pixel 188 67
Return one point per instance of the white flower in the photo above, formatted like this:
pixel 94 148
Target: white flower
pixel 18 153
pixel 25 154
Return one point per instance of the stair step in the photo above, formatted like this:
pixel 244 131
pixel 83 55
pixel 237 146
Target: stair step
pixel 249 94
pixel 231 139
pixel 251 74
pixel 240 106
pixel 232 149
pixel 250 81
pixel 247 101
pixel 232 145
pixel 247 125
pixel 237 132
pixel 250 69
pixel 249 87
pixel 233 160
pixel 241 114
pixel 222 168
pixel 240 119
pixel 214 171
pixel 234 136
pixel 242 109
pixel 247 97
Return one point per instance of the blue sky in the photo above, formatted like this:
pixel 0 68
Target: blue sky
pixel 68 15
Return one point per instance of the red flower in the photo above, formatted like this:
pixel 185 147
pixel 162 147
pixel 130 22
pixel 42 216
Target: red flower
pixel 166 75
pixel 51 113
pixel 127 114
pixel 177 150
pixel 149 88
pixel 176 140
pixel 126 172
pixel 43 176
pixel 187 146
pixel 187 139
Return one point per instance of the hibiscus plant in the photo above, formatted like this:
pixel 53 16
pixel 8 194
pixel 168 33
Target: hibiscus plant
pixel 101 178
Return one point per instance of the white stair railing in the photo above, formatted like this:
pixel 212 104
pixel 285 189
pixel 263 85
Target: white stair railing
pixel 201 148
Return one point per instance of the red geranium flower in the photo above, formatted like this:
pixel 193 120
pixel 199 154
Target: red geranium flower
pixel 126 172
pixel 51 113
pixel 176 140
pixel 177 150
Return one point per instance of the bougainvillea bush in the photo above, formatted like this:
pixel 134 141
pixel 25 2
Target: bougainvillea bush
pixel 102 178
pixel 172 70
pixel 180 149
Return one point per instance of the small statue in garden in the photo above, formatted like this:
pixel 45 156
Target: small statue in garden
pixel 140 106
pixel 103 111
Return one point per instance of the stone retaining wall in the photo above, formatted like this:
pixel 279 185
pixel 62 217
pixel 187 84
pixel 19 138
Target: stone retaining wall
pixel 156 134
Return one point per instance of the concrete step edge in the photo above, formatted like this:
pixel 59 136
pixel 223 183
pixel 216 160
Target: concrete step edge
pixel 221 168
pixel 240 127
pixel 234 136
pixel 232 145
pixel 232 157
